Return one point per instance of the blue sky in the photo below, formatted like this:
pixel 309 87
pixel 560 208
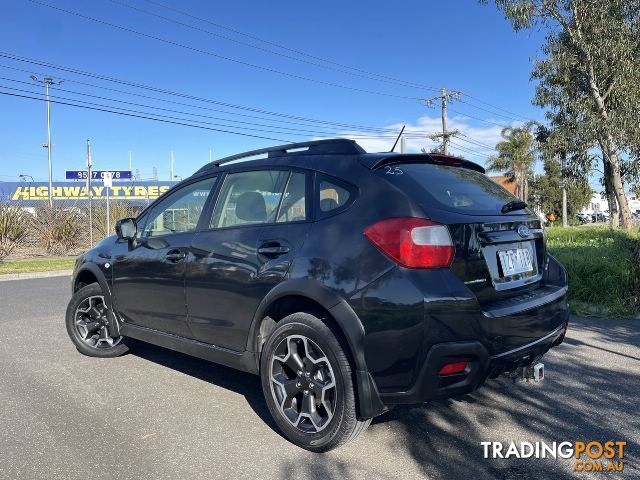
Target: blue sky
pixel 457 44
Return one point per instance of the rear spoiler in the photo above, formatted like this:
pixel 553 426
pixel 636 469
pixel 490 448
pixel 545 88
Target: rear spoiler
pixel 433 158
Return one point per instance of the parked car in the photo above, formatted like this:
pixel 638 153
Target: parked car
pixel 583 218
pixel 600 217
pixel 350 282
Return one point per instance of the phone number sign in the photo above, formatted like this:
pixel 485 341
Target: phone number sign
pixel 98 174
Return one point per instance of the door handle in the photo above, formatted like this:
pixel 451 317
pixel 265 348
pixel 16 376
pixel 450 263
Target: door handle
pixel 273 250
pixel 175 256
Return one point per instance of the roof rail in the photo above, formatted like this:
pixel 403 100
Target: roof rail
pixel 332 146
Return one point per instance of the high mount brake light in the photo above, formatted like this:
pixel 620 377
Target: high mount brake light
pixel 413 242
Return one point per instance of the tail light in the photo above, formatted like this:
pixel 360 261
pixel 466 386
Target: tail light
pixel 413 242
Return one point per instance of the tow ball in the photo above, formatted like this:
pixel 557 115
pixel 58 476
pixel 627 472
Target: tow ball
pixel 530 373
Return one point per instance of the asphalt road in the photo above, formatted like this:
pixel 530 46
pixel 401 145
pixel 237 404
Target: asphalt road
pixel 156 414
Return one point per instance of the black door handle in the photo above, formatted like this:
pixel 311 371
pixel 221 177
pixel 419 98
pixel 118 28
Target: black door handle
pixel 273 250
pixel 175 256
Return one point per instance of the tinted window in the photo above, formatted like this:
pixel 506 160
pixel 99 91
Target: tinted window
pixel 293 206
pixel 332 195
pixel 249 198
pixel 452 188
pixel 180 210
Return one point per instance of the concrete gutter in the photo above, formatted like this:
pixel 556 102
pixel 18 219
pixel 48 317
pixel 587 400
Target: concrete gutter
pixel 29 275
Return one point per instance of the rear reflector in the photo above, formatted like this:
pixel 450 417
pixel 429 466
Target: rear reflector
pixel 413 242
pixel 455 367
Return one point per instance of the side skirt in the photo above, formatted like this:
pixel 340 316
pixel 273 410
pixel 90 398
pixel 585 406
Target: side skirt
pixel 244 361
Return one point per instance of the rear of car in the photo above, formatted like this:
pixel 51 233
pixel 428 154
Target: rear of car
pixel 494 299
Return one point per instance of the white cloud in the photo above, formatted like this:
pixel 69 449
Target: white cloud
pixel 466 144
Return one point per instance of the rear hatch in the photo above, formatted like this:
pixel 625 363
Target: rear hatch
pixel 500 252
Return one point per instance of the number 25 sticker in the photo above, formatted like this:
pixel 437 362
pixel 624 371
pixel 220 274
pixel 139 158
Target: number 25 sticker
pixel 393 170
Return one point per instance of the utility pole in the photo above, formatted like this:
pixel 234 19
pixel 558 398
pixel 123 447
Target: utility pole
pixel 46 81
pixel 89 193
pixel 444 97
pixel 171 179
pixel 130 161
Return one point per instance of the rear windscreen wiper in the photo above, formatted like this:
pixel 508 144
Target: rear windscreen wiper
pixel 513 205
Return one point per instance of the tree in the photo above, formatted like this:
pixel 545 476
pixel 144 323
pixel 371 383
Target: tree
pixel 546 190
pixel 516 156
pixel 590 78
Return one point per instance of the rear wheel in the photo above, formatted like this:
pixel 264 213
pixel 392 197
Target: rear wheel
pixel 87 324
pixel 308 385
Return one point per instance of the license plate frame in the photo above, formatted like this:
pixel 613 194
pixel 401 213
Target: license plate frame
pixel 515 261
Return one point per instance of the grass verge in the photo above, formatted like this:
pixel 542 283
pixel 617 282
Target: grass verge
pixel 603 266
pixel 36 265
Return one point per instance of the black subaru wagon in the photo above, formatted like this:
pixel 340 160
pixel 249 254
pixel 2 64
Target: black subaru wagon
pixel 349 281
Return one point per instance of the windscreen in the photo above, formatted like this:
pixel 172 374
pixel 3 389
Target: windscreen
pixel 451 188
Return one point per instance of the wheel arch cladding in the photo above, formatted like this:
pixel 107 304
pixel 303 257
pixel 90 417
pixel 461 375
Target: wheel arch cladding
pixel 90 273
pixel 306 295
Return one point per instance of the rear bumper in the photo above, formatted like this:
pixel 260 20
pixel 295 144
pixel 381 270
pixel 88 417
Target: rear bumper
pixel 481 366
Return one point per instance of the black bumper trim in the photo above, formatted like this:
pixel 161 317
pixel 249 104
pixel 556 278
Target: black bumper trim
pixel 430 385
pixel 555 333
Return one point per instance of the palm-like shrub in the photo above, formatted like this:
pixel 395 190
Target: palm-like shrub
pixel 58 229
pixel 13 228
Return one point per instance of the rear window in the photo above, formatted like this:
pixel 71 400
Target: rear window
pixel 451 188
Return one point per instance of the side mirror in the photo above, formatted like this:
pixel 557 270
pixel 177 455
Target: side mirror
pixel 126 229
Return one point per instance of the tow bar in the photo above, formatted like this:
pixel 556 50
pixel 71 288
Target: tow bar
pixel 533 372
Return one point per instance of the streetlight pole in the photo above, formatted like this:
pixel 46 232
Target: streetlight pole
pixel 47 81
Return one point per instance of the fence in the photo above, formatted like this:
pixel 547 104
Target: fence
pixel 33 228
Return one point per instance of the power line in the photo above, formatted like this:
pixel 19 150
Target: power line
pixel 473 141
pixel 494 106
pixel 480 119
pixel 165 91
pixel 216 55
pixel 467 150
pixel 286 48
pixel 138 112
pixel 164 118
pixel 512 118
pixel 288 130
pixel 145 117
pixel 342 68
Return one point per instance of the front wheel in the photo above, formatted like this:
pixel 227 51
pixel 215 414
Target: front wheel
pixel 87 324
pixel 308 386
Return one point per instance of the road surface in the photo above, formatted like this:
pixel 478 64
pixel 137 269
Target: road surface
pixel 156 414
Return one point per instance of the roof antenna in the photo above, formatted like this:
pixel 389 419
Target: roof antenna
pixel 397 139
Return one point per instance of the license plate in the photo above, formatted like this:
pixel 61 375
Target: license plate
pixel 515 261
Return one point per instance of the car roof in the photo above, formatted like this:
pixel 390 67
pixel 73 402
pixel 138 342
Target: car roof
pixel 327 155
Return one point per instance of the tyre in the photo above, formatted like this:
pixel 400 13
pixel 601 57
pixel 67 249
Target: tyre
pixel 87 320
pixel 307 384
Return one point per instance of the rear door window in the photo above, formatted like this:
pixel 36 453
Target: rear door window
pixel 452 188
pixel 249 198
pixel 294 202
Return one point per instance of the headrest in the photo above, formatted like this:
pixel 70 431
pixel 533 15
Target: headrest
pixel 250 207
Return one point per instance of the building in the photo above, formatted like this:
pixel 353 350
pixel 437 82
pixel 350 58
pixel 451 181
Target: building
pixel 504 182
pixel 599 204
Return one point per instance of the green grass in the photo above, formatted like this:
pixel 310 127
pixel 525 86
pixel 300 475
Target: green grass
pixel 36 265
pixel 603 266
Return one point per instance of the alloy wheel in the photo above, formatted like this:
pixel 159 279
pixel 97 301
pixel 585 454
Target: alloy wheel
pixel 91 323
pixel 303 383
